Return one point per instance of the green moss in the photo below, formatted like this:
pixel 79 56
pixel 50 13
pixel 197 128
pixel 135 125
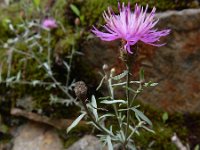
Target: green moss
pixel 163 131
pixel 71 140
pixel 92 9
pixel 8 14
pixel 63 42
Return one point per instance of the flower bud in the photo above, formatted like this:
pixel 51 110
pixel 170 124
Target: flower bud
pixel 77 22
pixel 81 90
pixel 112 71
pixel 105 67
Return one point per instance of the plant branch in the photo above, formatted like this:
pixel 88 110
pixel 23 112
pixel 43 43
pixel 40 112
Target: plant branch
pixel 128 101
pixel 110 88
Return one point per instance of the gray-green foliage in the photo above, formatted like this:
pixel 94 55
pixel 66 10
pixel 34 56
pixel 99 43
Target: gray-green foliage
pixel 28 56
pixel 124 127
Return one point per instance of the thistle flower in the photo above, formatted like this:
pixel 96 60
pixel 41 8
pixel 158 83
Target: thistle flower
pixel 131 27
pixel 49 23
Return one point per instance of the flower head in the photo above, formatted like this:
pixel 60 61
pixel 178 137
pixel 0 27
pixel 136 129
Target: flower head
pixel 131 27
pixel 49 23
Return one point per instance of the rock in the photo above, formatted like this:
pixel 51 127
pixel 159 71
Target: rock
pixel 35 136
pixel 88 142
pixel 174 66
pixel 5 146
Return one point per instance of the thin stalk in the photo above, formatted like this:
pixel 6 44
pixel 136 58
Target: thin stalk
pixel 32 55
pixel 112 97
pixel 128 99
pixel 136 128
pixel 136 94
pixel 10 56
pixel 124 83
pixel 128 115
pixel 52 77
pixel 70 64
pixel 140 83
pixel 31 82
pixel 23 53
pixel 49 49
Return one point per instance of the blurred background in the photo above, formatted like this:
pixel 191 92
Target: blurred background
pixel 40 64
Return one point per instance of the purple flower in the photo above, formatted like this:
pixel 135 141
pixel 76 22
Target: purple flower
pixel 49 23
pixel 131 27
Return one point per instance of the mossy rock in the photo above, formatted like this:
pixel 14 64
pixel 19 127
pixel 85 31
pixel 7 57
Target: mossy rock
pixel 62 42
pixel 92 9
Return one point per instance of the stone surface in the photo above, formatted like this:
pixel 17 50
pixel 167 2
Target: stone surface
pixel 34 136
pixel 88 142
pixel 5 146
pixel 174 66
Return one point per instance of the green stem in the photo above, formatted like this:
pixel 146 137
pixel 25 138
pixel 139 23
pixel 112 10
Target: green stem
pixel 49 49
pixel 32 55
pixel 70 65
pixel 51 76
pixel 136 94
pixel 112 97
pixel 130 105
pixel 10 57
pixel 128 99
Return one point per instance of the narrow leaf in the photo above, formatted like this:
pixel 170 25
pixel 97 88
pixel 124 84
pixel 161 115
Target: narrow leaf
pixel 142 116
pixel 165 117
pixel 141 74
pixel 196 147
pixel 130 89
pixel 82 18
pixel 154 84
pixel 94 103
pixel 113 101
pixel 110 146
pixel 66 65
pixel 122 135
pixel 47 67
pixel 132 128
pixel 35 82
pixel 75 122
pixel 102 80
pixel 131 146
pixel 106 115
pixel 150 83
pixel 18 76
pixel 36 3
pixel 10 79
pixel 1 74
pixel 75 10
pixel 111 128
pixel 93 124
pixel 138 118
pixel 148 129
pixel 124 83
pixel 120 76
pixel 125 109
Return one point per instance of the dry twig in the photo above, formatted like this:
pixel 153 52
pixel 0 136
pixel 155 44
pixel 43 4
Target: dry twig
pixel 57 123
